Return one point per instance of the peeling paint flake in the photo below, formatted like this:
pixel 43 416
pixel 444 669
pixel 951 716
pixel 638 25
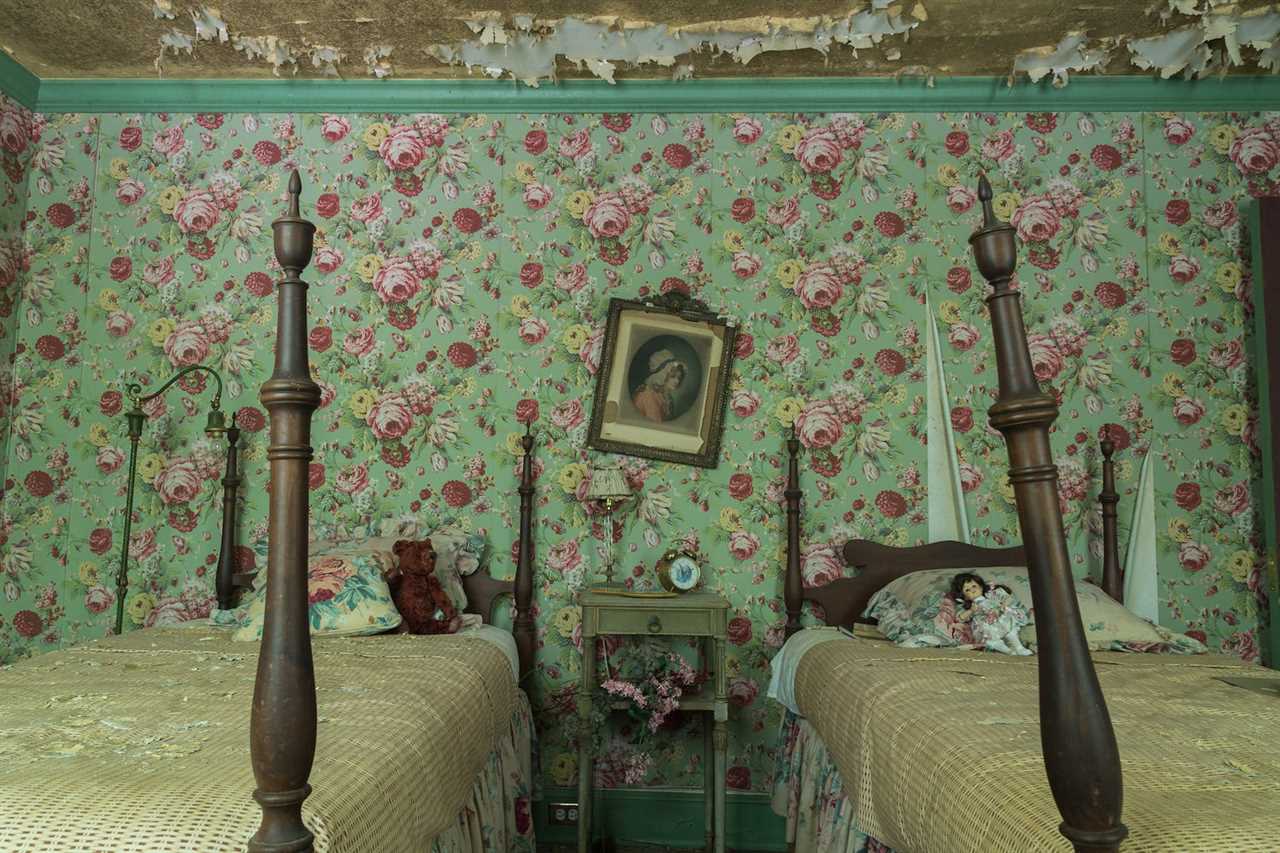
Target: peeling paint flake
pixel 377 62
pixel 271 49
pixel 1213 43
pixel 209 25
pixel 1070 54
pixel 326 58
pixel 163 10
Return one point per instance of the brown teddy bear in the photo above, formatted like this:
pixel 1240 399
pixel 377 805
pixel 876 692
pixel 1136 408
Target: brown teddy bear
pixel 418 593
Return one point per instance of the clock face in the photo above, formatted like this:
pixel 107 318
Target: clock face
pixel 684 573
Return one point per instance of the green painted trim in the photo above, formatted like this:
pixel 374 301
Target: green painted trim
pixel 1271 536
pixel 862 94
pixel 627 814
pixel 17 82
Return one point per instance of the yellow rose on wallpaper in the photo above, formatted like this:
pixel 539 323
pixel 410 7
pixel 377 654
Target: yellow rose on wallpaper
pixel 568 618
pixel 513 444
pixel 108 299
pixel 893 256
pixel 577 203
pixel 1233 418
pixel 1006 490
pixel 150 466
pixel 43 514
pixel 361 402
pixel 159 331
pixel 787 410
pixel 525 173
pixel 1240 565
pixel 140 607
pixel 564 769
pixel 789 137
pixel 896 538
pixel 730 519
pixel 948 176
pixel 733 241
pixel 119 168
pixel 949 312
pixel 1172 384
pixel 1005 204
pixel 575 336
pixel 1124 469
pixel 1221 136
pixel 788 272
pixel 168 199
pixel 894 395
pixel 681 186
pixel 53 379
pixel 1169 244
pixel 1228 276
pixel 1179 530
pixel 367 267
pixel 98 435
pixel 374 134
pixel 571 475
pixel 88 574
pixel 1118 327
pixel 521 306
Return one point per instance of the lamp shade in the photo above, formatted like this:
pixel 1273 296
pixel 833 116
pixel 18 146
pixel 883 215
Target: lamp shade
pixel 607 483
pixel 216 423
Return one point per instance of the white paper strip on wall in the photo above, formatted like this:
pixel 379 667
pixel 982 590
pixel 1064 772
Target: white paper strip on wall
pixel 1141 573
pixel 947 516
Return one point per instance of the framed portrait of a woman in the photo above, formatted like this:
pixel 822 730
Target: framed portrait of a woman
pixel 663 380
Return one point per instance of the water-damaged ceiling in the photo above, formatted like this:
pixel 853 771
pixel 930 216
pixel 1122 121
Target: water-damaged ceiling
pixel 537 40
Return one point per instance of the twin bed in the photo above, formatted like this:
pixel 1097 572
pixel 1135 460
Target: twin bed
pixel 942 749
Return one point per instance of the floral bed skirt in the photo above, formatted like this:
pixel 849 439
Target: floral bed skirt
pixel 808 792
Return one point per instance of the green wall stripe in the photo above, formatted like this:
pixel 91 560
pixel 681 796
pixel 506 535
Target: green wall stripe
pixel 1098 94
pixel 17 82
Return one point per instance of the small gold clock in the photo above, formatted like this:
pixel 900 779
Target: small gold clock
pixel 678 571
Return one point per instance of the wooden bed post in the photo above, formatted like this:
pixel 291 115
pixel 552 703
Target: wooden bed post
pixel 522 622
pixel 282 730
pixel 226 579
pixel 793 583
pixel 1080 753
pixel 1112 579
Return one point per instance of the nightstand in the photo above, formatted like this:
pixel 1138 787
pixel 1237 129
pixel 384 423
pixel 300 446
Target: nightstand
pixel 701 615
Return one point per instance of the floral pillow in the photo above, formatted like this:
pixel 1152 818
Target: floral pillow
pixel 348 597
pixel 917 610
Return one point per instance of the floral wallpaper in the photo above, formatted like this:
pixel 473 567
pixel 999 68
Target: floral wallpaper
pixel 463 266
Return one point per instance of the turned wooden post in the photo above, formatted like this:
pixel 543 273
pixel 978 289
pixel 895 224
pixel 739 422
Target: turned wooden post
pixel 522 621
pixel 282 730
pixel 226 579
pixel 793 584
pixel 1080 753
pixel 1112 578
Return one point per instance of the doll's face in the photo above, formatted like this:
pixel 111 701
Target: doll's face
pixel 971 590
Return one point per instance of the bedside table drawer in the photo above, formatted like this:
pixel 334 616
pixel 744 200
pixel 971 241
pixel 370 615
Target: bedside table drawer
pixel 692 623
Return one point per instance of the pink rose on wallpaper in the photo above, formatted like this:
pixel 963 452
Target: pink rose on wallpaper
pixel 957 143
pixel 359 342
pixel 196 212
pixel 1188 411
pixel 119 323
pixel 1106 157
pixel 537 196
pixel 783 349
pixel 169 141
pixel 1177 211
pixel 328 204
pixel 433 127
pixel 963 336
pixel 958 279
pixel 15 131
pixel 535 141
pixel 783 213
pixel 178 483
pixel 1221 214
pixel 12 262
pixel 589 352
pixel 390 418
pixel 328 259
pixel 1046 358
pixel 28 623
pixel 572 278
pixel 109 459
pixel 130 138
pixel 742 692
pixel 849 130
pixel 819 564
pixel 1227 355
pixel 998 146
pixel 576 145
pixel 739 630
pixel 1183 269
pixel 970 477
pixel 677 156
pixel 743 544
pixel 960 199
pixel 130 191
pixel 1232 500
pixel 744 344
pixel 818 424
pixel 367 209
pixel 98 599
pixel 1178 131
pixel 533 330
pixel 564 556
pixel 818 287
pixel 142 544
pixel 1036 219
pixel 740 486
pixel 320 338
pixel 1110 295
pixel 1193 556
pixel 889 223
pixel 745 264
pixel 743 209
pixel 334 127
pixel 426 260
pixel 890 361
pixel 1255 151
pixel 744 403
pixel 397 281
pixel 746 129
pixel 1187 496
pixel 188 343
pixel 403 148
pixel 100 540
pixel 568 414
pixel 526 411
pixel 818 151
pixel 607 216
pixel 531 274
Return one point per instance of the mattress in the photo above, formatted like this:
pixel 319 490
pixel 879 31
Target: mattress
pixel 939 749
pixel 140 742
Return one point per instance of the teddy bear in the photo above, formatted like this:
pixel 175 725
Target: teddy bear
pixel 416 589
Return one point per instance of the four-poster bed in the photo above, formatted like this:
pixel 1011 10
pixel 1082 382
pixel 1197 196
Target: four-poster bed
pixel 912 768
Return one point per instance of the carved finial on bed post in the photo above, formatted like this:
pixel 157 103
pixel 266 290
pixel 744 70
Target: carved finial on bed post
pixel 226 578
pixel 1080 753
pixel 1112 577
pixel 793 586
pixel 282 729
pixel 522 622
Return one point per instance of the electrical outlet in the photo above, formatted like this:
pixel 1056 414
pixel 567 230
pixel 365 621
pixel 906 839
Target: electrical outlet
pixel 562 814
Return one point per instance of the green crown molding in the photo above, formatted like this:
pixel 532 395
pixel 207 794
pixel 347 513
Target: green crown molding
pixel 17 82
pixel 767 94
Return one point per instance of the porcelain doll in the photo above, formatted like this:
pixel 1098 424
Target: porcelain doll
pixel 992 613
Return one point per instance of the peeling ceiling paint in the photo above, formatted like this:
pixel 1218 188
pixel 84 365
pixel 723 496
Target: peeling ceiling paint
pixel 542 40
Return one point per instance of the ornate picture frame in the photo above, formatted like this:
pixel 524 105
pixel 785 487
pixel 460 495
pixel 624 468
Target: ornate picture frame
pixel 663 383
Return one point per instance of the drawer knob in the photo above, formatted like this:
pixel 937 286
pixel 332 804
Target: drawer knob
pixel 655 625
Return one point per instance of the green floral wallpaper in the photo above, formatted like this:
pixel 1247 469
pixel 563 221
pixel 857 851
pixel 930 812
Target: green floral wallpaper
pixel 462 270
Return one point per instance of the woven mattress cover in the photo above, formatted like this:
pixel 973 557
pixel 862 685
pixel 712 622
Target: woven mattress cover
pixel 140 743
pixel 939 750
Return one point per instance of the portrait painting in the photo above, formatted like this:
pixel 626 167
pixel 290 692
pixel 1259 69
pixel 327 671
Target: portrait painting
pixel 663 381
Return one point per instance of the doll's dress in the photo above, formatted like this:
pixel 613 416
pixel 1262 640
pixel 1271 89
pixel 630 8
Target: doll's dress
pixel 996 614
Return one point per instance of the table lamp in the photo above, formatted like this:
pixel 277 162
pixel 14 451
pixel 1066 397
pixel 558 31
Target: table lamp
pixel 609 487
